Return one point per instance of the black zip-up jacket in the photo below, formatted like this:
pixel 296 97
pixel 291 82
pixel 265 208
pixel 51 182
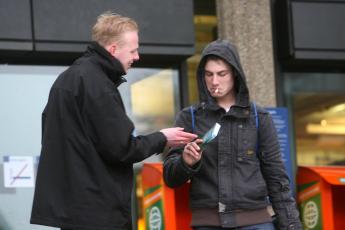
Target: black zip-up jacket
pixel 234 172
pixel 85 172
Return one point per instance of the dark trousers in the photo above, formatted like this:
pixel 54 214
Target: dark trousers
pixel 265 226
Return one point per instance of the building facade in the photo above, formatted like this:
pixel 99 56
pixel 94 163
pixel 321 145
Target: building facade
pixel 293 54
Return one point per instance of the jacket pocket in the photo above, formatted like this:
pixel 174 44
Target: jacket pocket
pixel 249 186
pixel 247 143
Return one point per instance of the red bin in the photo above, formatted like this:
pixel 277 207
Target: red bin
pixel 321 197
pixel 164 208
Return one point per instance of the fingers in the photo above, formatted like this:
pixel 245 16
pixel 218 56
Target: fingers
pixel 192 153
pixel 186 135
pixel 177 143
pixel 181 139
pixel 193 150
pixel 198 141
pixel 176 137
pixel 184 140
pixel 194 146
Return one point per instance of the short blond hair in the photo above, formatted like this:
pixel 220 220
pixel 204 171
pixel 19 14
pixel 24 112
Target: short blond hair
pixel 110 26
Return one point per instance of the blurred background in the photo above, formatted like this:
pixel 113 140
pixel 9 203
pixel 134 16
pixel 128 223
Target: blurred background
pixel 293 54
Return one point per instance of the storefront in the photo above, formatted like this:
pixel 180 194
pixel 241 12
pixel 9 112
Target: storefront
pixel 40 39
pixel 311 77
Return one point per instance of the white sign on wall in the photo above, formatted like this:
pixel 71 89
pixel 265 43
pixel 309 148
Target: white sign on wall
pixel 18 171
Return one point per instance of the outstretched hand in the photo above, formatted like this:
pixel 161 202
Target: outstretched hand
pixel 176 137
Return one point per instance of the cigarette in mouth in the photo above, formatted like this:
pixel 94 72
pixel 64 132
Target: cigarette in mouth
pixel 216 91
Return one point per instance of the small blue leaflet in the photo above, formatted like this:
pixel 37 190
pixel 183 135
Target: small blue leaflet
pixel 210 134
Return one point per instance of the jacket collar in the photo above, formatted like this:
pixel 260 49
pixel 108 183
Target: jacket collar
pixel 110 65
pixel 235 111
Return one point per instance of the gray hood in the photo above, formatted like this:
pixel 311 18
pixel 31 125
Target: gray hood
pixel 228 53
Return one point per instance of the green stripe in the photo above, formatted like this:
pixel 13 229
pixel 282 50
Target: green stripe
pixel 151 190
pixel 302 187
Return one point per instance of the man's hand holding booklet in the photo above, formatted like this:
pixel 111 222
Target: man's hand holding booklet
pixel 210 135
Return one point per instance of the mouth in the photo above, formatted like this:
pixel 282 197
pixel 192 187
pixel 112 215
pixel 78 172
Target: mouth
pixel 215 90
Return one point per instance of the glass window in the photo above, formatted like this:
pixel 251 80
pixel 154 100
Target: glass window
pixel 318 109
pixel 151 98
pixel 23 94
pixel 205 32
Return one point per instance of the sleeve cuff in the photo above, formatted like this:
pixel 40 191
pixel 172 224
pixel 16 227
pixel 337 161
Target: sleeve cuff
pixel 190 170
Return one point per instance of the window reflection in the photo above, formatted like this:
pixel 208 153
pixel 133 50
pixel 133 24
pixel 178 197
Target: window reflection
pixel 151 98
pixel 317 102
pixel 320 128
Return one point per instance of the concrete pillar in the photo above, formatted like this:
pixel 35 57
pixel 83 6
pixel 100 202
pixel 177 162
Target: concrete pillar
pixel 247 23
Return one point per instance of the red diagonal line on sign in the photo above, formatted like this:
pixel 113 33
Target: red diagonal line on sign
pixel 20 172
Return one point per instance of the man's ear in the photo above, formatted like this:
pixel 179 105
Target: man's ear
pixel 111 49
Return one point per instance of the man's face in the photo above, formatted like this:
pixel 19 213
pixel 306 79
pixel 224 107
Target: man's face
pixel 219 79
pixel 127 50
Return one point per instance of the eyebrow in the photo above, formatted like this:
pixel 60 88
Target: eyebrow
pixel 225 70
pixel 135 50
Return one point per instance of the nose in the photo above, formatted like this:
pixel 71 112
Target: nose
pixel 215 80
pixel 136 56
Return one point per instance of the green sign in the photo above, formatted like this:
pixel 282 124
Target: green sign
pixel 310 208
pixel 154 214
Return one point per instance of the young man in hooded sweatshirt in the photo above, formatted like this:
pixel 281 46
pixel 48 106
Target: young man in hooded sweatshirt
pixel 236 177
pixel 85 174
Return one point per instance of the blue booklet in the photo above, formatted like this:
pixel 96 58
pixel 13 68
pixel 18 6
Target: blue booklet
pixel 210 135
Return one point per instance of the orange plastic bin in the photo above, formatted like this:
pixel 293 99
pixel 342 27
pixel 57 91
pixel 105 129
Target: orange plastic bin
pixel 164 208
pixel 321 197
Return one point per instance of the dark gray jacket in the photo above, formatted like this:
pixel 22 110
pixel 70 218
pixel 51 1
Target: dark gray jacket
pixel 232 172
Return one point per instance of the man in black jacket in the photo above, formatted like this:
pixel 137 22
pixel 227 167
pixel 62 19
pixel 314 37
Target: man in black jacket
pixel 233 177
pixel 85 174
